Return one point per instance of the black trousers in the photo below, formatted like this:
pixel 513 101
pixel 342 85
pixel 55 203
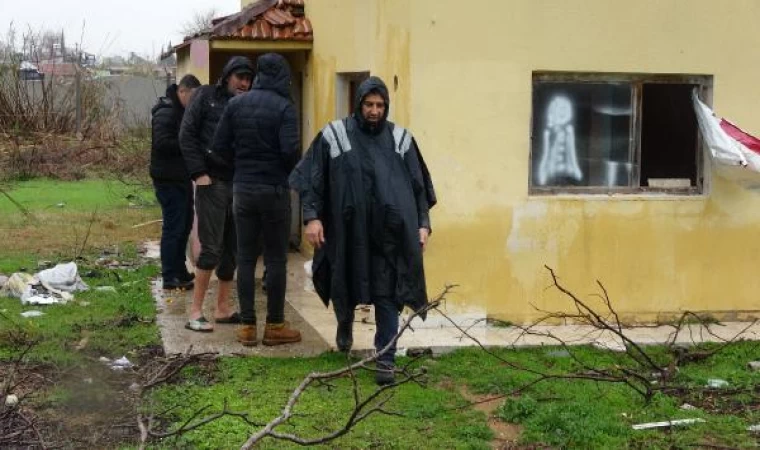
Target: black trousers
pixel 262 211
pixel 176 200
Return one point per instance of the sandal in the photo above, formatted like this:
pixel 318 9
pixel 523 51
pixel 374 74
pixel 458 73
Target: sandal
pixel 200 324
pixel 233 318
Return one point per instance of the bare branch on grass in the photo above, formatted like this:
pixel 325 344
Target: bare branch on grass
pixel 28 214
pixel 161 371
pixel 633 367
pixel 16 429
pixel 79 249
pixel 374 403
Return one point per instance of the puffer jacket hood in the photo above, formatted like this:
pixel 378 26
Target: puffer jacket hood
pixel 170 100
pixel 273 74
pixel 372 85
pixel 166 163
pixel 235 63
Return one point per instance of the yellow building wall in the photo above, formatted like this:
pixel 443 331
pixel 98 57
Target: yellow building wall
pixel 463 86
pixel 183 62
pixel 194 59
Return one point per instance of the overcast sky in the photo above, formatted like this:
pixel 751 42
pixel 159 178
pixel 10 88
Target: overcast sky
pixel 111 27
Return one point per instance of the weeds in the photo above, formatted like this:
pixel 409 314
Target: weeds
pixel 64 127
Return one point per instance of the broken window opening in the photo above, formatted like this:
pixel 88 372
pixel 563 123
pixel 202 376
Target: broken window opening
pixel 669 136
pixel 615 133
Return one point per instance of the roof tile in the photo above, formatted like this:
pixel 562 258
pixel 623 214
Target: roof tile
pixel 264 20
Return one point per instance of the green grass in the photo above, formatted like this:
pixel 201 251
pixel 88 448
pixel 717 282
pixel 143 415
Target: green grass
pixel 106 209
pixel 56 234
pixel 584 414
pixel 86 195
pixel 562 414
pixel 114 323
pixel 263 385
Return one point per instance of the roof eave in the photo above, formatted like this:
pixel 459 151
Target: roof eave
pixel 242 44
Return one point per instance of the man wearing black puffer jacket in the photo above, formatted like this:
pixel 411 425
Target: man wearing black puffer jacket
pixel 174 190
pixel 213 193
pixel 259 132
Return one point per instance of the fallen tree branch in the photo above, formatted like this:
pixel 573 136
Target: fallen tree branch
pixel 162 371
pixel 634 367
pixel 79 250
pixel 145 224
pixel 16 430
pixel 362 409
pixel 28 214
pixel 171 366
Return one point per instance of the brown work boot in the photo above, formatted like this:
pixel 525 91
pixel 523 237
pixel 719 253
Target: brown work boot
pixel 246 335
pixel 280 333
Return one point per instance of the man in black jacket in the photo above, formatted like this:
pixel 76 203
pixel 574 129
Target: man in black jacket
pixel 174 190
pixel 259 131
pixel 213 193
pixel 366 195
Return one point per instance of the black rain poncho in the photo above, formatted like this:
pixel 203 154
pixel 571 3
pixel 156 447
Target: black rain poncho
pixel 372 191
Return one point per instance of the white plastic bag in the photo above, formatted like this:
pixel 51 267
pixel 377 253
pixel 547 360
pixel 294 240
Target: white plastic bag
pixel 63 277
pixel 308 284
pixel 19 285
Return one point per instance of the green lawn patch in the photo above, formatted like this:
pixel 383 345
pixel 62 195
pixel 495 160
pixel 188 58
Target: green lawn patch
pixel 77 397
pixel 95 214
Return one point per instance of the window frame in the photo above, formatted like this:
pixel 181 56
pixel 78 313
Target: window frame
pixel 636 82
pixel 343 100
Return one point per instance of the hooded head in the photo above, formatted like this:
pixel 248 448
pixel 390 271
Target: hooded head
pixel 273 74
pixel 370 113
pixel 169 100
pixel 242 68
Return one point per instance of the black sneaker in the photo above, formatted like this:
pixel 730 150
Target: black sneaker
pixel 176 283
pixel 344 338
pixel 384 373
pixel 187 277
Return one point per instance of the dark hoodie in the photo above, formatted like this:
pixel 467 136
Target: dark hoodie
pixel 166 162
pixel 259 129
pixel 200 121
pixel 372 85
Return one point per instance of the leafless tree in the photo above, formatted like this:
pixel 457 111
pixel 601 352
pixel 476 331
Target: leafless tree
pixel 199 22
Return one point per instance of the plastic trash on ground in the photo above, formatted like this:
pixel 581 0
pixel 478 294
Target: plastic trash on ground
pixel 717 383
pixel 117 364
pixel 49 286
pixel 308 284
pixel 63 277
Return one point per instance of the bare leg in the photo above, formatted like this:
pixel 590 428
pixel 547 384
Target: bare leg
pixel 202 279
pixel 223 309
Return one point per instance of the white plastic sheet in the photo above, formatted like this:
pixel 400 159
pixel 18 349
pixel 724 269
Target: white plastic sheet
pixel 723 148
pixel 48 287
pixel 735 161
pixel 63 277
pixel 18 285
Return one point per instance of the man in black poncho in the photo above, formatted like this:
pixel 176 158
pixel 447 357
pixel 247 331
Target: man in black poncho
pixel 366 195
